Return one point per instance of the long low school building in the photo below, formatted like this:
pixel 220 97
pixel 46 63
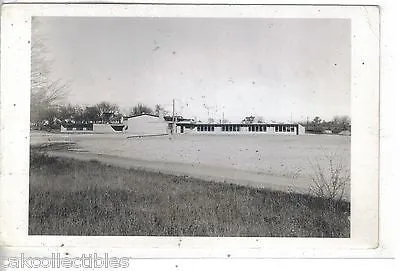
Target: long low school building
pixel 151 125
pixel 266 128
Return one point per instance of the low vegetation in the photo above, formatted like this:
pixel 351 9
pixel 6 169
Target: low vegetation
pixel 330 182
pixel 70 197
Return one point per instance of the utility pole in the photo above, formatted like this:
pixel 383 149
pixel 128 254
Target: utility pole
pixel 173 116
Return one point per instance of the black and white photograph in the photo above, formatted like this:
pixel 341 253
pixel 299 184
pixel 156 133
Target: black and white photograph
pixel 189 131
pixel 152 126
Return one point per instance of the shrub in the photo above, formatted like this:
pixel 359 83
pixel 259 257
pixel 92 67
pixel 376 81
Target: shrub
pixel 330 182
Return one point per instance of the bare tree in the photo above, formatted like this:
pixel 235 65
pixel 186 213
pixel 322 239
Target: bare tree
pixel 107 110
pixel 159 110
pixel 141 109
pixel 341 123
pixel 46 92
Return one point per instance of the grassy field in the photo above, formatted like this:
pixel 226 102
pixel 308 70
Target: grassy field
pixel 71 197
pixel 268 161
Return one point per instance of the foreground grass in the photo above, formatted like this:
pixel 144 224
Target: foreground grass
pixel 71 197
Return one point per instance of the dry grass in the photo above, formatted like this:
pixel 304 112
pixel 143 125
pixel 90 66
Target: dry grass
pixel 71 197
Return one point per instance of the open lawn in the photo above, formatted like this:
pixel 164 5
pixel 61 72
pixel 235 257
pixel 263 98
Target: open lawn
pixel 73 197
pixel 268 161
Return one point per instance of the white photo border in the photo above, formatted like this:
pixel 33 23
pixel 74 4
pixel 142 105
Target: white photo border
pixel 14 138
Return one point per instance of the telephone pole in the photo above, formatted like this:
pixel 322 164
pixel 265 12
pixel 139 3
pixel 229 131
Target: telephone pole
pixel 173 116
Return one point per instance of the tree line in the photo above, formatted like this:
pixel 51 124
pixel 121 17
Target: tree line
pixel 51 116
pixel 336 125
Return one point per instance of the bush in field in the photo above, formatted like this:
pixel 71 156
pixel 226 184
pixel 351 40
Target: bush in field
pixel 331 181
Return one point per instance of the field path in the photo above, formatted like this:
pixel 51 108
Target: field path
pixel 205 172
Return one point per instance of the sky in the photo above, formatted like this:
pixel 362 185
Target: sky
pixel 279 69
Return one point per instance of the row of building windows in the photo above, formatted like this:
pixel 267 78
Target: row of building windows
pixel 205 128
pixel 284 129
pixel 230 128
pixel 258 128
pixel 252 128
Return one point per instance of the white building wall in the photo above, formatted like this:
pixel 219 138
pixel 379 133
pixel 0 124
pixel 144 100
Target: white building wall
pixel 302 129
pixel 218 129
pixel 147 125
pixel 74 130
pixel 270 130
pixel 102 128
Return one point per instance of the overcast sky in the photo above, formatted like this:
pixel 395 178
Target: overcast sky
pixel 281 69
